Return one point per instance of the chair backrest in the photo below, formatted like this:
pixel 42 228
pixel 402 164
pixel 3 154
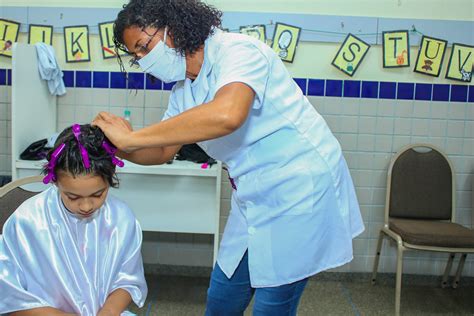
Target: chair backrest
pixel 420 184
pixel 12 195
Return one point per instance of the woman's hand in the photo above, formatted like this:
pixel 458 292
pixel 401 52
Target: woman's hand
pixel 117 130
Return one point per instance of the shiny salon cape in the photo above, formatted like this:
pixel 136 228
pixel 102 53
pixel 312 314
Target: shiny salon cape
pixel 51 258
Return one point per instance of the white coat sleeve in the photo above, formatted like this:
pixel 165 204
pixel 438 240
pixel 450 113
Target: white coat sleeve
pixel 245 63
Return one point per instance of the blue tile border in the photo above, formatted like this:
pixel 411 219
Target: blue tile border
pixel 9 77
pixel 168 86
pixel 471 94
pixel 423 91
pixel 3 77
pixel 100 79
pixel 351 89
pixel 388 90
pixel 316 87
pixel 68 78
pixel 152 83
pixel 118 80
pixel 405 91
pixel 136 80
pixel 440 92
pixel 370 89
pixel 334 88
pixel 83 79
pixel 301 82
pixel 309 86
pixel 459 93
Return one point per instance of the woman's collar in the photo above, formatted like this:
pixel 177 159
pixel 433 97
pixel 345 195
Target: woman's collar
pixel 208 59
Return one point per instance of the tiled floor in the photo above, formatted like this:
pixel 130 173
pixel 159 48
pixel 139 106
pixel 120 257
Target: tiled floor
pixel 176 295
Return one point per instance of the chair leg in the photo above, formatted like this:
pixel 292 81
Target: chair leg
pixel 459 270
pixel 398 286
pixel 377 258
pixel 447 271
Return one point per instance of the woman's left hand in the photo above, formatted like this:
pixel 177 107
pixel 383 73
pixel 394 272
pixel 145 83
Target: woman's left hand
pixel 117 129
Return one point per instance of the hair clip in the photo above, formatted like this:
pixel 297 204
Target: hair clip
pixel 76 129
pixel 50 176
pixel 111 151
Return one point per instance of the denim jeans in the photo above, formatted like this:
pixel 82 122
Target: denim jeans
pixel 230 297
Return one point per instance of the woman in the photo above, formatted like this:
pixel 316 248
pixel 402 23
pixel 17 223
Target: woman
pixel 294 209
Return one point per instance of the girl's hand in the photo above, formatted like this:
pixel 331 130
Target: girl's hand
pixel 117 130
pixel 105 312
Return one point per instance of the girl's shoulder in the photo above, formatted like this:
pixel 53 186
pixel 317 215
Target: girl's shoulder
pixel 120 217
pixel 118 207
pixel 31 211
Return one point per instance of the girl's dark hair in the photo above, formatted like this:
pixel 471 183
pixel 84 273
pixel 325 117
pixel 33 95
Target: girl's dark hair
pixel 70 159
pixel 189 21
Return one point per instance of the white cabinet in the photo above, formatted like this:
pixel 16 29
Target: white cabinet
pixel 33 107
pixel 180 197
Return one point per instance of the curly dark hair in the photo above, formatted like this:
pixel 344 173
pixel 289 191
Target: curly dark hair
pixel 189 21
pixel 70 159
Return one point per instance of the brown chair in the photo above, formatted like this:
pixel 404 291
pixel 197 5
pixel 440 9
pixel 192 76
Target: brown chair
pixel 420 210
pixel 12 195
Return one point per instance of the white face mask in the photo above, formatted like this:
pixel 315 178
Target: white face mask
pixel 164 63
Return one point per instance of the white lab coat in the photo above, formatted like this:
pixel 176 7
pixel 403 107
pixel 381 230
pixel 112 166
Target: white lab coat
pixel 295 207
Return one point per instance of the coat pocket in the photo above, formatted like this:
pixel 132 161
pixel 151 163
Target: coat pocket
pixel 287 191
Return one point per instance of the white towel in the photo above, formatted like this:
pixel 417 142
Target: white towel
pixel 49 69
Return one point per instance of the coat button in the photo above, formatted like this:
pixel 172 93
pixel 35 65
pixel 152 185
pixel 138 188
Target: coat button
pixel 251 230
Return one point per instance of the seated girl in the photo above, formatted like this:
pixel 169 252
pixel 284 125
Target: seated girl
pixel 73 248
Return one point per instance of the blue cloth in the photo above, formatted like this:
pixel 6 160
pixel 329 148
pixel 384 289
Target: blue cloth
pixel 230 297
pixel 295 197
pixel 49 69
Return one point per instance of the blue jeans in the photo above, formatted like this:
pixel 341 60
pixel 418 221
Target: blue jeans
pixel 230 297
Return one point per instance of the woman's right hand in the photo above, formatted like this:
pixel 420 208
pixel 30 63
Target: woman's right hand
pixel 116 128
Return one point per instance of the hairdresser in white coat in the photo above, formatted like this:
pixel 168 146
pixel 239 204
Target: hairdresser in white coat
pixel 294 209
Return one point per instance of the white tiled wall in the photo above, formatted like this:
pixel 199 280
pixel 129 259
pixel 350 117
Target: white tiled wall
pixel 369 130
pixel 5 130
